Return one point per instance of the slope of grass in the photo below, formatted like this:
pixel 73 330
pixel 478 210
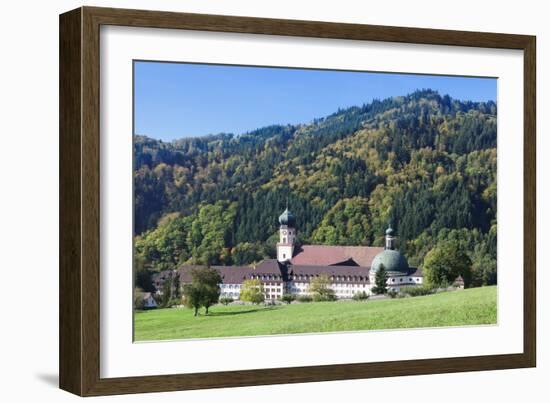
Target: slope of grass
pixel 458 308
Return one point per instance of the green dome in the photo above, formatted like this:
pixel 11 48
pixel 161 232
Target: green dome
pixel 393 261
pixel 389 231
pixel 287 218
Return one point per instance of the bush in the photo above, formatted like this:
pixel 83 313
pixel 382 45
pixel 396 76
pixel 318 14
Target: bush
pixel 174 302
pixel 304 298
pixel 392 293
pixel 226 300
pixel 288 298
pixel 360 296
pixel 138 299
pixel 317 297
pixel 416 291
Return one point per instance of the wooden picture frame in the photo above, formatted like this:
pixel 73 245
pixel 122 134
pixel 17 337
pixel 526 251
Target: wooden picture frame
pixel 80 199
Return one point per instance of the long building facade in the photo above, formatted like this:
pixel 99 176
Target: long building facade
pixel 351 269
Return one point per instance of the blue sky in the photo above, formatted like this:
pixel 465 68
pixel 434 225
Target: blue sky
pixel 175 100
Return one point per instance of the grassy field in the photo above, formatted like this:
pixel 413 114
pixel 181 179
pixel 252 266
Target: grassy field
pixel 457 308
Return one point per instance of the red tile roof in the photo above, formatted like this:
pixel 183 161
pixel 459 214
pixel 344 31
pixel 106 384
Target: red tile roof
pixel 327 255
pixel 270 270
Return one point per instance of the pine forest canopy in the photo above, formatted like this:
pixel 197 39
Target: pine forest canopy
pixel 424 162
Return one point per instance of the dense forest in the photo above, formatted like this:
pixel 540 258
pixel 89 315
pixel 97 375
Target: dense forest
pixel 425 163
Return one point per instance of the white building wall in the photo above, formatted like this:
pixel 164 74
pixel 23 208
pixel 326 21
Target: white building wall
pixel 341 290
pixel 230 290
pixel 284 252
pixel 275 290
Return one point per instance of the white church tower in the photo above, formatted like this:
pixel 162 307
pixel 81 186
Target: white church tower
pixel 287 236
pixel 390 239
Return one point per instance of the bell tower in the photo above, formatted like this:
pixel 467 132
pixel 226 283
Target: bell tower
pixel 390 238
pixel 287 236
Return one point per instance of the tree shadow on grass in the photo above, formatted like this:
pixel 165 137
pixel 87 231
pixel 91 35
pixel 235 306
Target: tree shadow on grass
pixel 231 313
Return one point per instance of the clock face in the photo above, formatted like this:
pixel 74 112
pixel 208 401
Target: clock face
pixel 284 232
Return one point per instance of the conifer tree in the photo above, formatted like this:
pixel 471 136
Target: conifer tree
pixel 380 281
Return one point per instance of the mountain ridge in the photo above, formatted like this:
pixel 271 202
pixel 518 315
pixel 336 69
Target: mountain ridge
pixel 423 161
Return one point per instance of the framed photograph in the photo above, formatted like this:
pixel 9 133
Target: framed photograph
pixel 248 201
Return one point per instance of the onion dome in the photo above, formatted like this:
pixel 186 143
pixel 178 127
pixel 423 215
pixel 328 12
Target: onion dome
pixel 389 231
pixel 287 218
pixel 394 262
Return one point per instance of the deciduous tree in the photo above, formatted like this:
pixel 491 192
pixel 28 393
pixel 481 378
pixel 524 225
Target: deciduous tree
pixel 204 289
pixel 445 262
pixel 252 291
pixel 320 288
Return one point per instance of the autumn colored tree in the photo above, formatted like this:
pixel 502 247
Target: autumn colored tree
pixel 320 288
pixel 252 291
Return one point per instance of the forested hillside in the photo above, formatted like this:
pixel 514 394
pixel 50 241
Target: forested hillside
pixel 424 162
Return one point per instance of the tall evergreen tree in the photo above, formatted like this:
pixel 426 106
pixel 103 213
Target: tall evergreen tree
pixel 380 281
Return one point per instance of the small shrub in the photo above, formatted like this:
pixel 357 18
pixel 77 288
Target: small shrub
pixel 416 291
pixel 304 298
pixel 317 297
pixel 172 302
pixel 288 298
pixel 226 300
pixel 168 303
pixel 360 296
pixel 392 293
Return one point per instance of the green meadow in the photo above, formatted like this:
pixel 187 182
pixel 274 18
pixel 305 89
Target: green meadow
pixel 476 306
